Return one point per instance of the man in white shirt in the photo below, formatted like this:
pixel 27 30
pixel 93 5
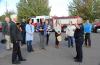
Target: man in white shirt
pixel 70 33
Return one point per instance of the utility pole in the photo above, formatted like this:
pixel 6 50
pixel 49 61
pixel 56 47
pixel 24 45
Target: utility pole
pixel 6 7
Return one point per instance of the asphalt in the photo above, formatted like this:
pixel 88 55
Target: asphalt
pixel 54 56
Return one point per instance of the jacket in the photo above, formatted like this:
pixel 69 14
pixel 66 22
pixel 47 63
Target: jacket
pixel 44 27
pixel 29 32
pixel 15 33
pixel 87 27
pixel 5 30
pixel 79 33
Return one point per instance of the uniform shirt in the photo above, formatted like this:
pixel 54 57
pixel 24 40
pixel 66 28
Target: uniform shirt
pixel 79 33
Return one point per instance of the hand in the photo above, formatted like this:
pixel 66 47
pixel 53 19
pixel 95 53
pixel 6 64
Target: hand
pixel 77 26
pixel 41 30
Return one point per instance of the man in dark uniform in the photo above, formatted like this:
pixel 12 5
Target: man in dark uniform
pixel 15 34
pixel 79 38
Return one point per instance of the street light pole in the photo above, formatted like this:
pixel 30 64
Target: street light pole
pixel 6 7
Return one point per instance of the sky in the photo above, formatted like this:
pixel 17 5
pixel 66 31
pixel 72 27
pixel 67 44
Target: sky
pixel 58 7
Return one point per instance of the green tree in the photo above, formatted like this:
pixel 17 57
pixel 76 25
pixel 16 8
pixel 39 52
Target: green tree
pixel 28 8
pixel 6 14
pixel 88 9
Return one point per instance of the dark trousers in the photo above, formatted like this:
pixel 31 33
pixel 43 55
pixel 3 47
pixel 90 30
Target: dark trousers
pixel 16 54
pixel 56 40
pixel 87 39
pixel 24 36
pixel 70 41
pixel 79 43
pixel 29 46
pixel 47 39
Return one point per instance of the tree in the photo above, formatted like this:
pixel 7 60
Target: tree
pixel 6 14
pixel 28 8
pixel 88 9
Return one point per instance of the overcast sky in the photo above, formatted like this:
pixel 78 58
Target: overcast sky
pixel 58 7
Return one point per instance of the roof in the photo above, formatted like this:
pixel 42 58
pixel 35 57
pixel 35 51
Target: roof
pixel 65 17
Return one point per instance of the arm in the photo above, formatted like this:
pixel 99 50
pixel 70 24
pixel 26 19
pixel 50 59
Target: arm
pixel 3 27
pixel 13 32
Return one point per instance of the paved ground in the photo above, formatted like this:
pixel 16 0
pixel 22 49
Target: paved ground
pixel 53 56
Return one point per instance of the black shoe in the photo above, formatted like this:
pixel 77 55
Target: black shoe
pixel 16 62
pixel 23 60
pixel 72 46
pixel 75 57
pixel 68 46
pixel 79 61
pixel 32 50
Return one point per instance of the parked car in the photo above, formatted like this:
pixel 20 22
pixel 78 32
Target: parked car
pixel 0 26
pixel 96 26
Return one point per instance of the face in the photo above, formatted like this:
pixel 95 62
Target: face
pixel 7 19
pixel 43 20
pixel 46 21
pixel 14 19
pixel 54 21
pixel 70 23
pixel 80 21
pixel 30 21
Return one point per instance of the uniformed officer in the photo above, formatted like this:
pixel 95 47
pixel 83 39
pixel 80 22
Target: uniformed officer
pixel 79 38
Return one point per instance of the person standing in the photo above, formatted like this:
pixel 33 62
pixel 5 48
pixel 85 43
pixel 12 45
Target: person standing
pixel 6 32
pixel 42 28
pixel 87 31
pixel 57 27
pixel 29 35
pixel 79 39
pixel 48 31
pixel 16 38
pixel 70 33
pixel 23 25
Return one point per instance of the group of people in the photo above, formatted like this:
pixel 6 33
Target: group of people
pixel 20 33
pixel 16 33
pixel 79 33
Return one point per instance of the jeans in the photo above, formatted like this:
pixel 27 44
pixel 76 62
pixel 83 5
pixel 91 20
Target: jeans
pixel 70 41
pixel 29 46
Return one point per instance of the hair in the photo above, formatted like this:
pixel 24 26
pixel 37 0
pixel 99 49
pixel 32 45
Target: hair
pixel 17 23
pixel 28 20
pixel 41 22
pixel 8 17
